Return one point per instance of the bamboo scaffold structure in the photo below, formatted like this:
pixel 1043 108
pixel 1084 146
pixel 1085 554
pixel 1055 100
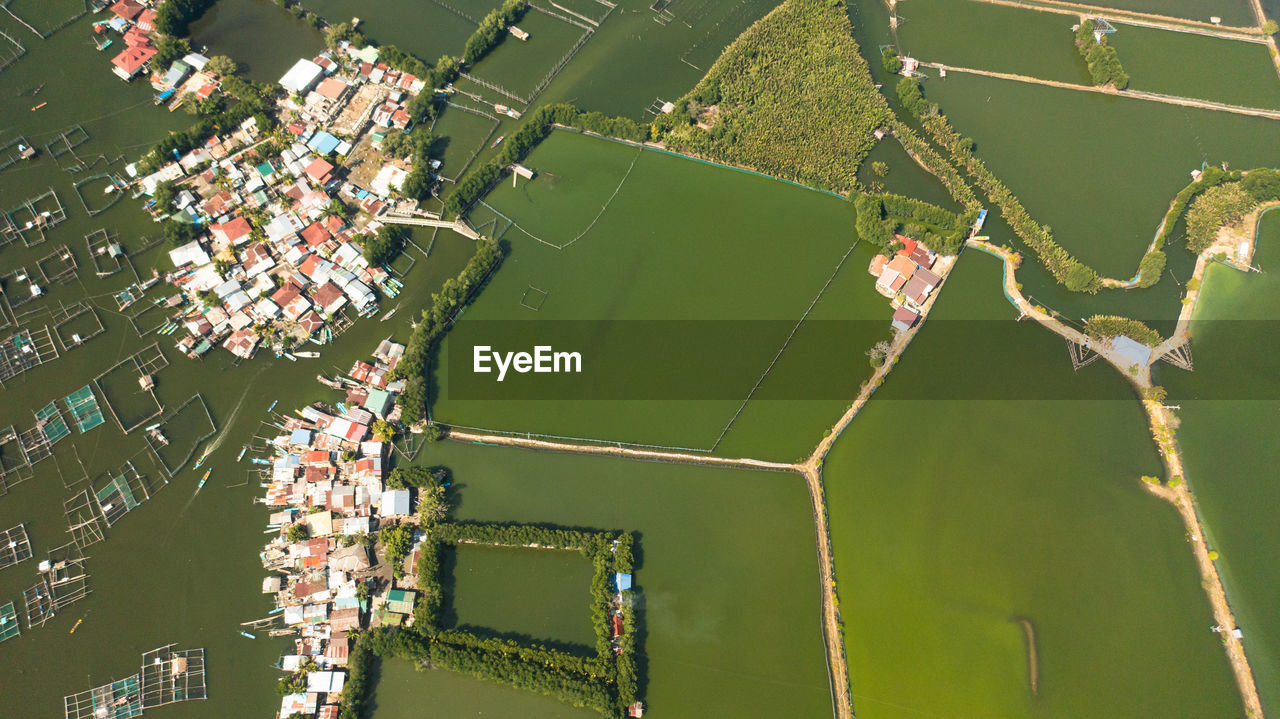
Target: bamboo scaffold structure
pixel 15 546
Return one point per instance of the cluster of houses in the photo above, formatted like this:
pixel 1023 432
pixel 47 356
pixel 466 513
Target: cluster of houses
pixel 133 23
pixel 328 472
pixel 907 279
pixel 291 273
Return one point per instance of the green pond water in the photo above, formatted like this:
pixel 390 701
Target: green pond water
pixel 726 577
pixel 1196 66
pixel 1110 178
pixel 1232 12
pixel 680 241
pixel 1229 410
pixel 543 594
pixel 259 35
pixel 953 522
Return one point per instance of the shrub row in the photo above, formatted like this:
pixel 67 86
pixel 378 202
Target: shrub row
pixel 1105 327
pixel 1102 59
pixel 453 295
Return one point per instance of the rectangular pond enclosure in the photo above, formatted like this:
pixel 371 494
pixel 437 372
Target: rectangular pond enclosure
pixel 63 582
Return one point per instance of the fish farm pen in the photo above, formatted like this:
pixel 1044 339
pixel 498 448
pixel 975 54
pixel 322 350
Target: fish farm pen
pixel 84 520
pixel 15 546
pixel 167 675
pixel 105 250
pixel 63 582
pixel 84 408
pixel 58 266
pixel 76 324
pixel 124 490
pixel 25 350
pixel 190 419
pixel 35 215
pixel 146 362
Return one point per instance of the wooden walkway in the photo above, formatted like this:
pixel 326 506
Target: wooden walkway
pixel 458 226
pixel 1108 90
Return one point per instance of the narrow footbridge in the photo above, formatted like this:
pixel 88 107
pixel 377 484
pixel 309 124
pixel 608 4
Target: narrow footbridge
pixel 459 226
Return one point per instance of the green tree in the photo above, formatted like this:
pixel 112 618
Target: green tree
pixel 178 233
pixel 1270 27
pixel 383 430
pixel 169 49
pixel 297 532
pixel 221 66
pixel 880 169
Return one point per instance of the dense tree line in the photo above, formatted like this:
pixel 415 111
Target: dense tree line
pixel 1151 267
pixel 174 17
pixel 588 542
pixel 1065 268
pixel 427 610
pixel 596 667
pixel 385 245
pixel 1220 205
pixel 937 165
pixel 791 97
pixel 1102 59
pixel 434 322
pixel 493 28
pixel 1105 327
pixel 882 215
pixel 510 669
pixel 1210 177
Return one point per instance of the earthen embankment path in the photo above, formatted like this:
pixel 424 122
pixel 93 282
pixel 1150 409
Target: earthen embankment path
pixel 1108 90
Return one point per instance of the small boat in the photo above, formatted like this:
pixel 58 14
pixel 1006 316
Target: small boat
pixel 273 405
pixel 247 635
pixel 164 96
pixel 308 355
pixel 203 457
pixel 242 451
pixel 77 626
pixel 498 141
pixel 105 45
pixel 389 315
pixel 205 478
pixel 289 356
pixel 37 107
pixel 259 460
pixel 151 427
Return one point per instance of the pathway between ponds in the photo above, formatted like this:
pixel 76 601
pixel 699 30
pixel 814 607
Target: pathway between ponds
pixel 1133 17
pixel 1177 493
pixel 1108 90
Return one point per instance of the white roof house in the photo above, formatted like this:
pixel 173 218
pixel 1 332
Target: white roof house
pixel 189 254
pixel 1132 350
pixel 395 503
pixel 302 76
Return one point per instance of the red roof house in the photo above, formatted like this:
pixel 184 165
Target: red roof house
pixel 320 171
pixel 127 9
pixel 129 63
